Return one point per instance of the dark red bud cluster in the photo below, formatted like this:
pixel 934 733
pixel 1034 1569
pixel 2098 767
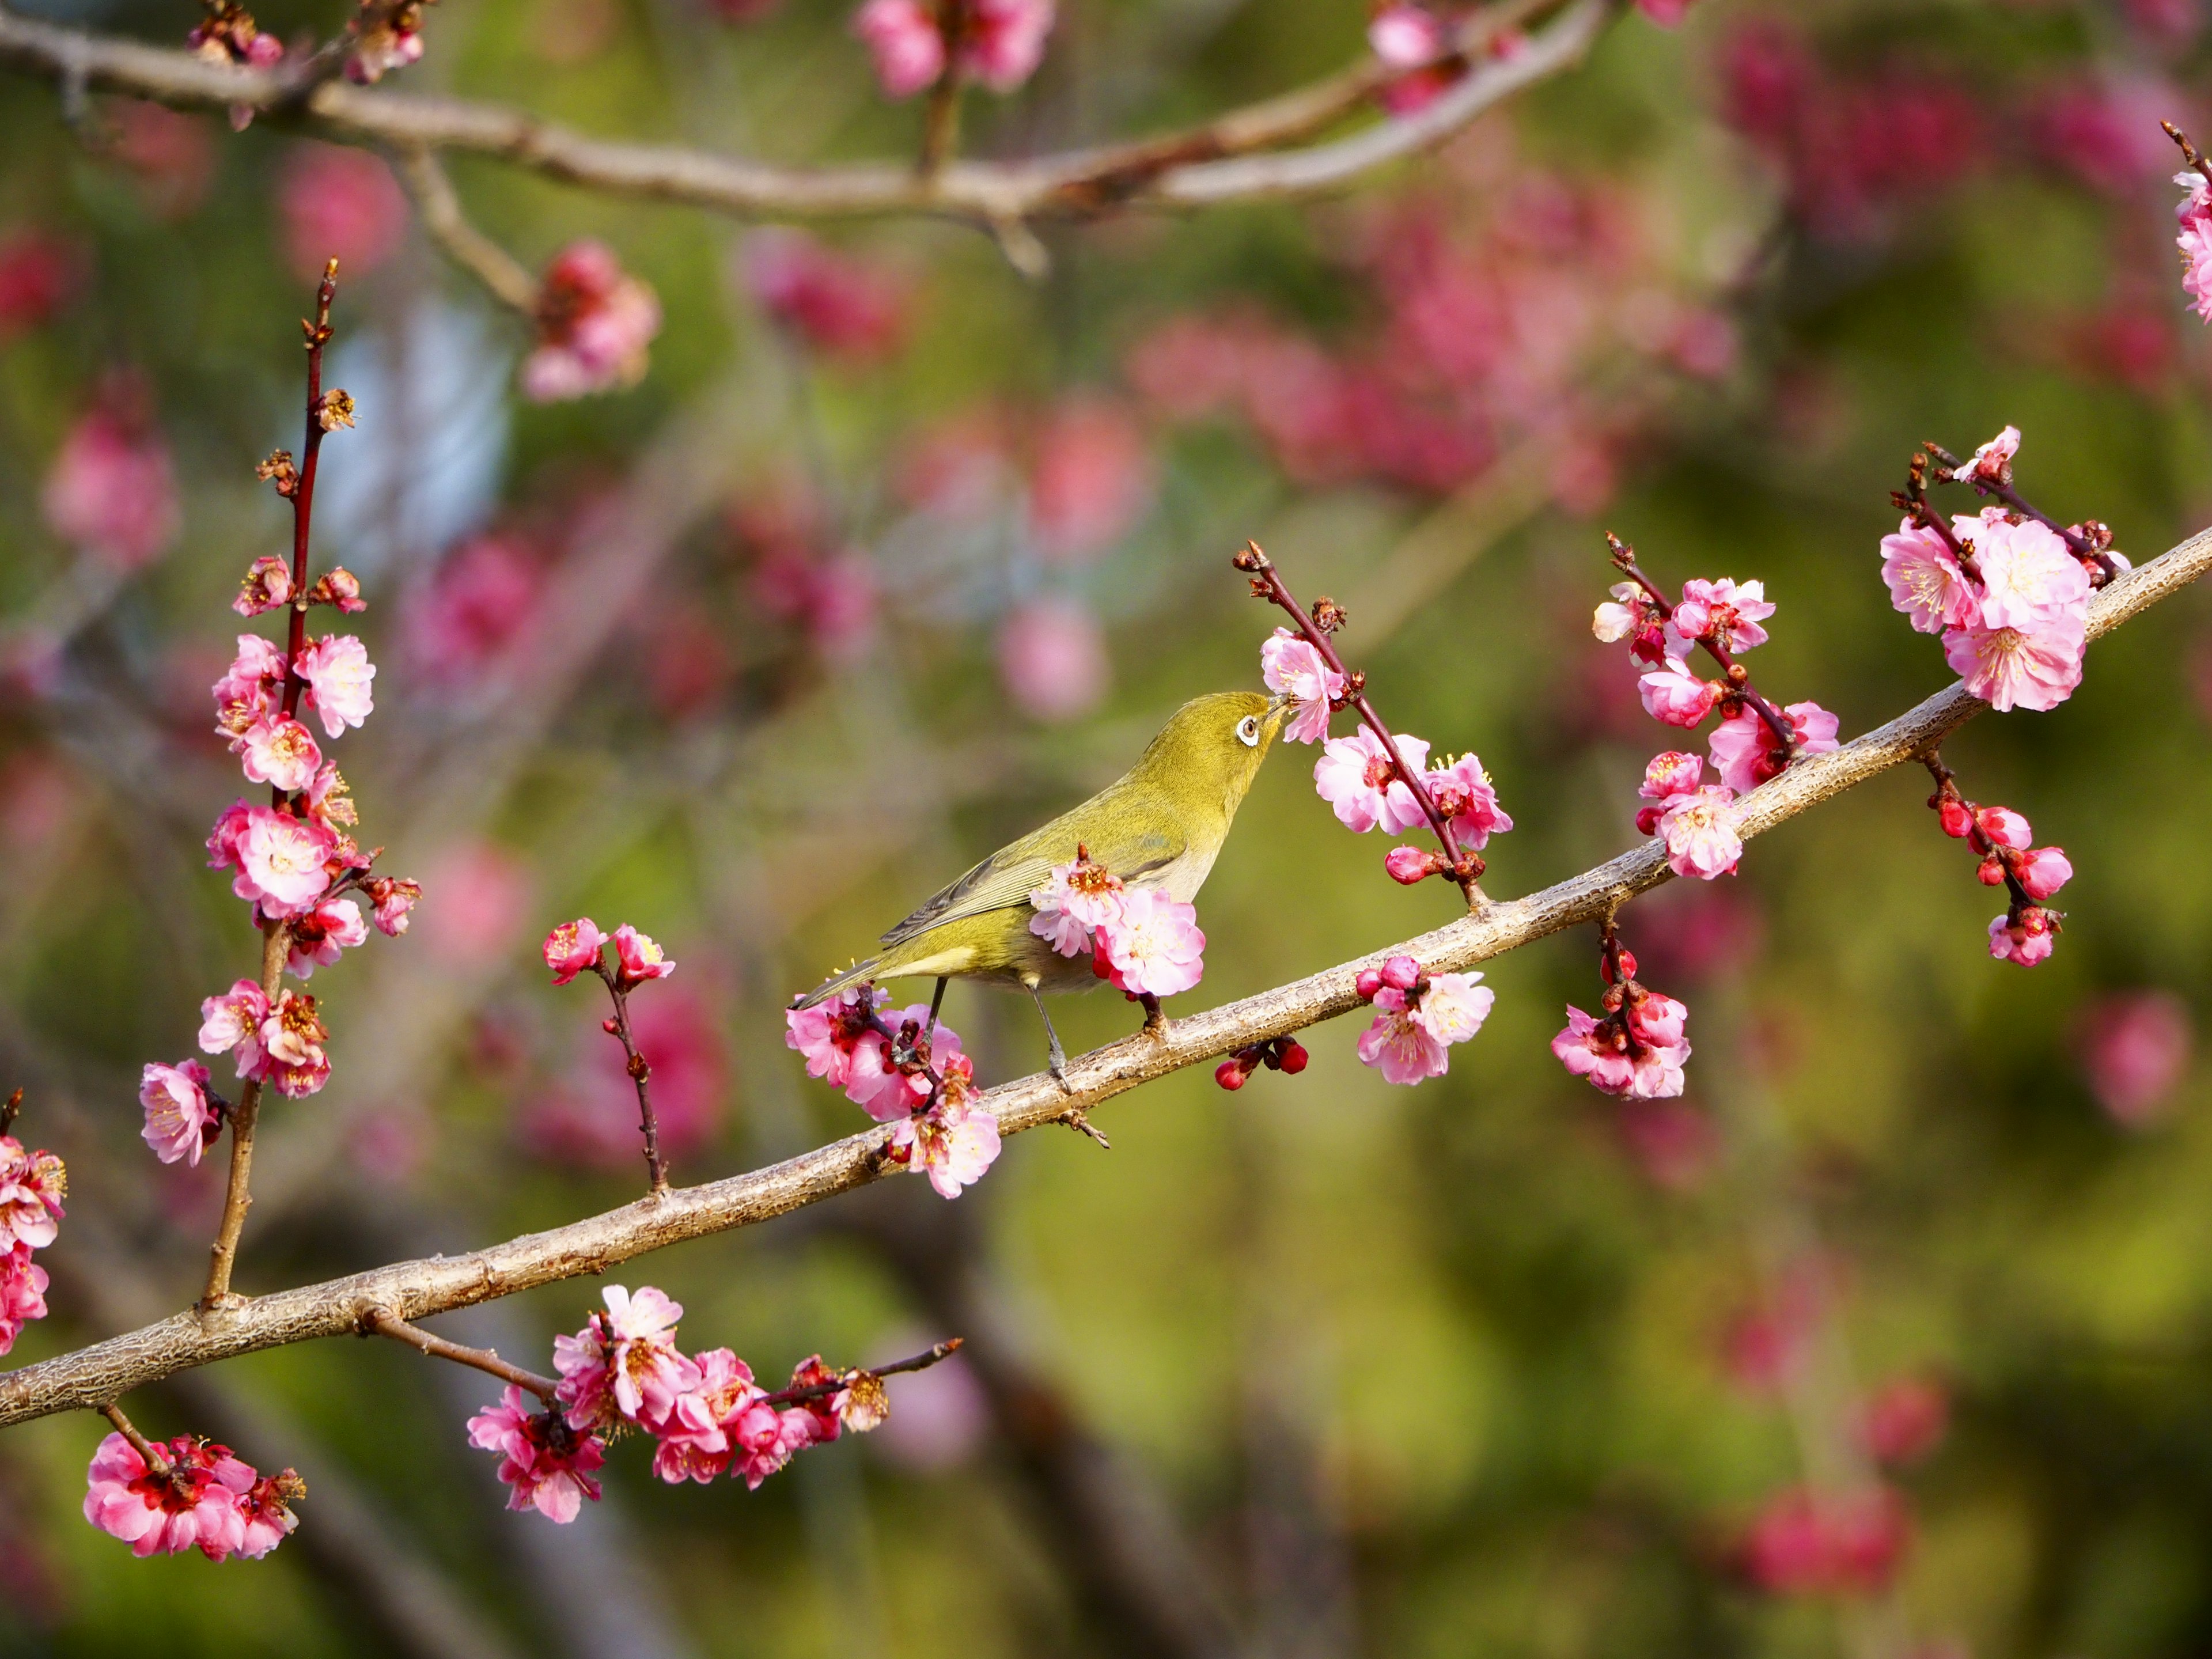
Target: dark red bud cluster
pixel 1399 974
pixel 1285 1054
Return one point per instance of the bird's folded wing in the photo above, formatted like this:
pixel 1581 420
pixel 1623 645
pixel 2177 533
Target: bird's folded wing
pixel 1009 875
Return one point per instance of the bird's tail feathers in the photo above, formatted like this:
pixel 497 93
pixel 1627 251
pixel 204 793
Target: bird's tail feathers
pixel 836 982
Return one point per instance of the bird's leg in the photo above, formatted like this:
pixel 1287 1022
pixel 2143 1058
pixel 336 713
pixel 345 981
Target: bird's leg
pixel 936 1001
pixel 1156 1023
pixel 1056 1060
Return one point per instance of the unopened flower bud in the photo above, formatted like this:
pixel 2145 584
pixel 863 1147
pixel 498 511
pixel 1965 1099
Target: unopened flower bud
pixel 1409 866
pixel 1992 872
pixel 340 588
pixel 1369 982
pixel 1956 818
pixel 1293 1054
pixel 1627 965
pixel 611 1027
pixel 1229 1075
pixel 1401 973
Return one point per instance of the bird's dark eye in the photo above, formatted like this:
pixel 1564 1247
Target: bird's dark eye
pixel 1248 731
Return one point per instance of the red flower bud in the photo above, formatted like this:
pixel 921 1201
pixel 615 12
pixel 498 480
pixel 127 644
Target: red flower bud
pixel 1229 1075
pixel 1991 872
pixel 1627 965
pixel 1294 1057
pixel 1956 819
pixel 1647 819
pixel 611 1028
pixel 1369 982
pixel 1401 973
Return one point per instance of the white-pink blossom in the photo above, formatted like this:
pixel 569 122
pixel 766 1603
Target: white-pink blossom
pixel 1924 580
pixel 624 1362
pixel 547 1464
pixel 279 751
pixel 1743 745
pixel 181 1123
pixel 393 897
pixel 1699 831
pixel 2030 577
pixel 641 957
pixel 231 1023
pixel 902 37
pixel 1356 776
pixel 1078 896
pixel 953 1143
pixel 23 1293
pixel 2008 668
pixel 1153 947
pixel 1993 460
pixel 339 673
pixel 31 1188
pixel 1465 797
pixel 1675 696
pixel 2044 870
pixel 250 688
pixel 2026 938
pixel 1724 612
pixel 267 585
pixel 290 1041
pixel 280 861
pixel 319 935
pixel 1415 1026
pixel 1293 666
pixel 1669 774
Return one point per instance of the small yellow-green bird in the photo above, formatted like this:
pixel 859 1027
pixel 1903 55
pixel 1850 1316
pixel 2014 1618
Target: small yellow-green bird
pixel 1159 825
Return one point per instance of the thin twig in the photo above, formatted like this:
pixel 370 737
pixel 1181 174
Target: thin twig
pixel 139 1444
pixel 502 275
pixel 238 1197
pixel 103 1371
pixel 384 1323
pixel 919 1362
pixel 634 1063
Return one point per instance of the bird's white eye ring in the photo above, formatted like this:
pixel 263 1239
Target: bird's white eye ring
pixel 1248 731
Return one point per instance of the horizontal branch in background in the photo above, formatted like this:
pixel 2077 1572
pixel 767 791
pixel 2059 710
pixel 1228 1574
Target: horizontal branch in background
pixel 413 1290
pixel 1219 161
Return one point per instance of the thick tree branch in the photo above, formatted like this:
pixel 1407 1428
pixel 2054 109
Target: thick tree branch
pixel 1212 163
pixel 412 1290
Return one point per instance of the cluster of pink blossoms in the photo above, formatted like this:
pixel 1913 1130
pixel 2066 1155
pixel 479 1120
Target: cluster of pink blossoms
pixel 2008 590
pixel 2195 240
pixel 2026 932
pixel 1753 741
pixel 705 1412
pixel 391 39
pixel 997 42
pixel 1418 1016
pixel 200 1497
pixel 905 1070
pixel 1638 1049
pixel 1141 941
pixel 595 322
pixel 31 1188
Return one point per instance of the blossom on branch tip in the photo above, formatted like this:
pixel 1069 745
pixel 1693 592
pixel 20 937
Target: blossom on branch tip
pixel 23 1286
pixel 595 323
pixel 267 585
pixel 1463 795
pixel 1722 612
pixel 1152 947
pixel 337 672
pixel 1630 615
pixel 319 935
pixel 1674 697
pixel 1992 462
pixel 2024 936
pixel 180 1121
pixel 1357 778
pixel 640 955
pixel 1700 833
pixel 574 947
pixel 266 1508
pixel 31 1188
pixel 1415 1024
pixel 1924 580
pixel 280 752
pixel 1078 898
pixel 1294 667
pixel 547 1464
pixel 393 897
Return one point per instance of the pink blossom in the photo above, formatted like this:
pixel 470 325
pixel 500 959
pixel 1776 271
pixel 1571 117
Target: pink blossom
pixel 249 689
pixel 1667 14
pixel 903 39
pixel 2030 577
pixel 23 1293
pixel 1992 462
pixel 1630 615
pixel 281 752
pixel 833 598
pixel 1052 659
pixel 267 585
pixel 828 1033
pixel 179 1121
pixel 1409 866
pixel 2044 870
pixel 1294 667
pixel 320 934
pixel 1152 947
pixel 1003 40
pixel 196 1503
pixel 573 947
pixel 112 491
pixel 623 1360
pixel 393 897
pixel 2195 240
pixel 337 201
pixel 1700 833
pixel 280 861
pixel 2026 937
pixel 1925 582
pixel 2006 668
pixel 1601 1050
pixel 337 672
pixel 2003 826
pixel 1675 696
pixel 479 601
pixel 1670 774
pixel 763 1439
pixel 1727 614
pixel 1357 778
pixel 547 1464
pixel 842 306
pixel 1079 896
pixel 1655 1020
pixel 1743 745
pixel 1905 1420
pixel 641 957
pixel 31 1188
pixel 2133 1047
pixel 290 1042
pixel 1462 793
pixel 694 1438
pixel 37 274
pixel 595 323
pixel 1415 1026
pixel 265 1507
pixel 1092 480
pixel 954 1142
pixel 1405 37
pixel 232 1022
pixel 1805 1543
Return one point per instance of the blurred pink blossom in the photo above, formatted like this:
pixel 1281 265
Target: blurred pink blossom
pixel 172 155
pixel 2172 23
pixel 37 273
pixel 1052 659
pixel 112 491
pixel 339 202
pixel 481 916
pixel 940 1418
pixel 456 623
pixel 847 308
pixel 1805 1543
pixel 1405 36
pixel 1002 41
pixel 2107 136
pixel 832 597
pixel 2133 1047
pixel 1092 480
pixel 595 322
pixel 902 37
pixel 1674 1145
pixel 1906 1420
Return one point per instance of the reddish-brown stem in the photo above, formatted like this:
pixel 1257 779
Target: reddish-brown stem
pixel 1465 867
pixel 2082 547
pixel 384 1323
pixel 890 1033
pixel 238 1198
pixel 303 492
pixel 139 1444
pixel 919 1362
pixel 656 1168
pixel 1946 788
pixel 2189 151
pixel 1783 732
